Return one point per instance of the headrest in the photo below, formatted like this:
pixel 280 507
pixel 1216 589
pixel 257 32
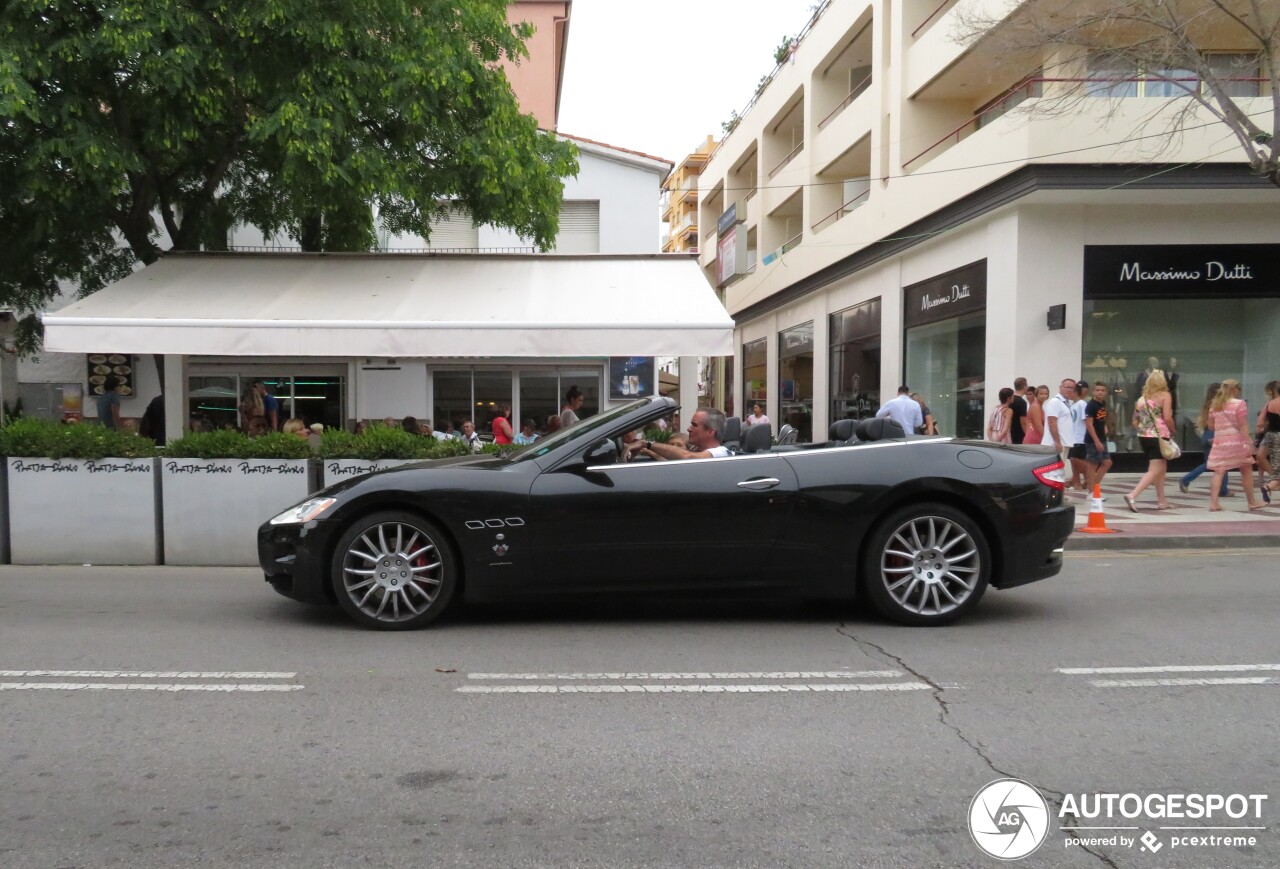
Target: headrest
pixel 879 429
pixel 757 438
pixel 843 429
pixel 732 430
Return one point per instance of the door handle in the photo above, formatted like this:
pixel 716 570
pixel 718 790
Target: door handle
pixel 758 483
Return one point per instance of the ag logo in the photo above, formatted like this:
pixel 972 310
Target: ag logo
pixel 1008 819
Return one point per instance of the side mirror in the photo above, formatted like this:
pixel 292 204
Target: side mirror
pixel 601 452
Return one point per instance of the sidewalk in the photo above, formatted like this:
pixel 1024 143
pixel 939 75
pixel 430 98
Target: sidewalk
pixel 1189 525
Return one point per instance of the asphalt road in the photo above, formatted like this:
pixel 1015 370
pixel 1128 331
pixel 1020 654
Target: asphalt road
pixel 628 734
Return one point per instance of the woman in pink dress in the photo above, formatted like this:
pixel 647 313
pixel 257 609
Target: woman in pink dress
pixel 1035 415
pixel 1232 446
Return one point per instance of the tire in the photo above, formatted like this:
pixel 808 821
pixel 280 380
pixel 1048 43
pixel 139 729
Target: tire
pixel 394 571
pixel 925 565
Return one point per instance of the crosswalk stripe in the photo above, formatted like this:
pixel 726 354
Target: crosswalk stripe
pixel 1172 668
pixel 255 687
pixel 691 689
pixel 583 677
pixel 126 674
pixel 1153 683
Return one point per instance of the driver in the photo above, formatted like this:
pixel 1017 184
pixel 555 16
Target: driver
pixel 706 430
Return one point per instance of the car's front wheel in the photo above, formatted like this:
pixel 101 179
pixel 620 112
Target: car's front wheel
pixel 926 564
pixel 394 571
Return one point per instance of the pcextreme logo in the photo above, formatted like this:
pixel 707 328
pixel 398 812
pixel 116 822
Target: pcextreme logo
pixel 1008 819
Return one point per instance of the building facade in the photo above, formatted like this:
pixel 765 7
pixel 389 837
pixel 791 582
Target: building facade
pixel 893 208
pixel 680 200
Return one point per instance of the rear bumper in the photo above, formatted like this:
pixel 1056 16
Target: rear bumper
pixel 1037 553
pixel 290 557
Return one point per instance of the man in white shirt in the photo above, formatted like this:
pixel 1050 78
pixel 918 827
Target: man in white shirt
pixel 706 432
pixel 1059 419
pixel 904 410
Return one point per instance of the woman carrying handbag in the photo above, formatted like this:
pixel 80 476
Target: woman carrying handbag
pixel 1153 418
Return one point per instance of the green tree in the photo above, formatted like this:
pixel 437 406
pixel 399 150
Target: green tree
pixel 121 118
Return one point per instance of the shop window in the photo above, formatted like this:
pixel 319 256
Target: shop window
pixel 463 394
pixel 855 361
pixel 451 406
pixel 755 368
pixel 795 380
pixel 213 400
pixel 946 345
pixel 492 389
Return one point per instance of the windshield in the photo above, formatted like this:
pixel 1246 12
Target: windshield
pixel 584 429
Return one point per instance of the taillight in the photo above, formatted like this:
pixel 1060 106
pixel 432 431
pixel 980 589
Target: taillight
pixel 1052 476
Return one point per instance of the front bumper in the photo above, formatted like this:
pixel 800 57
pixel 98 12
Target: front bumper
pixel 293 560
pixel 1037 552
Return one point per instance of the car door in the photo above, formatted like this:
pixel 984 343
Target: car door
pixel 648 524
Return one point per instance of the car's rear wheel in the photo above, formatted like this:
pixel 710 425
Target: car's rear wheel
pixel 926 564
pixel 394 571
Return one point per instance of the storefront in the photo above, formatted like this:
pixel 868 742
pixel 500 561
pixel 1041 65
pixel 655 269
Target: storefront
pixel 755 374
pixel 1200 313
pixel 795 380
pixel 945 346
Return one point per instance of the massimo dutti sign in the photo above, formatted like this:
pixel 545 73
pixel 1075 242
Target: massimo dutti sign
pixel 958 292
pixel 1181 270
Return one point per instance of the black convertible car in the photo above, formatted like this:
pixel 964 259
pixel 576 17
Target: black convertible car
pixel 919 525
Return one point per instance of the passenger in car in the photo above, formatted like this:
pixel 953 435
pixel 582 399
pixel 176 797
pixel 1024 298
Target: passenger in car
pixel 706 432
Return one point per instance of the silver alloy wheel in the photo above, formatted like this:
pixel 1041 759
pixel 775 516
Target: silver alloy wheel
pixel 930 565
pixel 392 572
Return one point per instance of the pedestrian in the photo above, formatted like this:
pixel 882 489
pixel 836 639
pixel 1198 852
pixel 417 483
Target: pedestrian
pixel 502 433
pixel 1001 419
pixel 1268 454
pixel 1206 442
pixel 1153 418
pixel 1059 425
pixel 152 424
pixel 1096 454
pixel 109 402
pixel 757 416
pixel 930 426
pixel 569 410
pixel 1232 444
pixel 1080 467
pixel 1019 407
pixel 270 405
pixel 904 410
pixel 1035 415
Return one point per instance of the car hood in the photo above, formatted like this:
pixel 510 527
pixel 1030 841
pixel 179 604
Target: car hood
pixel 385 479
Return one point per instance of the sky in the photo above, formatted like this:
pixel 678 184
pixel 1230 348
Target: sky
pixel 658 76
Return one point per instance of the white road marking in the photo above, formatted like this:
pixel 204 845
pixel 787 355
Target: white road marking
pixel 1152 683
pixel 580 677
pixel 143 686
pixel 1176 668
pixel 690 689
pixel 125 674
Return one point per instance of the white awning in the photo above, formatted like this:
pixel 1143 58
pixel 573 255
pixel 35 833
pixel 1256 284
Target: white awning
pixel 401 305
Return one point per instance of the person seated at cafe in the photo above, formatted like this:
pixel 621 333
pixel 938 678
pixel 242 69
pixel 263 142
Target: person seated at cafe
pixel 410 425
pixel 527 435
pixel 706 431
pixel 257 426
pixel 296 427
pixel 469 436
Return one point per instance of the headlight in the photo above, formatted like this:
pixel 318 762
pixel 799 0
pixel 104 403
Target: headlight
pixel 304 512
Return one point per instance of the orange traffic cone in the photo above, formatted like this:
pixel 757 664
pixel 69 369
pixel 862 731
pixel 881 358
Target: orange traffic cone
pixel 1097 523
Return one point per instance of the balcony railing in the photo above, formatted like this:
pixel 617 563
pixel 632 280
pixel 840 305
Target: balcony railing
pixel 933 16
pixel 856 202
pixel 857 91
pixel 787 159
pixel 1030 88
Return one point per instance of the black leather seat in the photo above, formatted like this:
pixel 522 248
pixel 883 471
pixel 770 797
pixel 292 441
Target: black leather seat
pixel 757 438
pixel 879 429
pixel 788 434
pixel 843 430
pixel 732 434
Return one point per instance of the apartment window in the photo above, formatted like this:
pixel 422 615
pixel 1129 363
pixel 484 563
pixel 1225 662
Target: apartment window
pixel 1243 69
pixel 579 228
pixel 1111 75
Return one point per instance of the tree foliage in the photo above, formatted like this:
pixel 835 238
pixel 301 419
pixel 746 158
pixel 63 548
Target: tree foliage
pixel 122 120
pixel 1178 44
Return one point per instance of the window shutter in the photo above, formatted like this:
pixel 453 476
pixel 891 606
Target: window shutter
pixel 454 229
pixel 579 228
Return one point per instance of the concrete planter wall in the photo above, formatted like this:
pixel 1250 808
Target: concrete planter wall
pixel 213 507
pixel 336 470
pixel 78 511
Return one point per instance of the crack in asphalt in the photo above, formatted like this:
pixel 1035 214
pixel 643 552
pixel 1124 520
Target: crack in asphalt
pixel 935 690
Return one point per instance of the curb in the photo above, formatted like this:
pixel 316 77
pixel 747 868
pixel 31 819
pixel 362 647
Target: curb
pixel 1092 543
